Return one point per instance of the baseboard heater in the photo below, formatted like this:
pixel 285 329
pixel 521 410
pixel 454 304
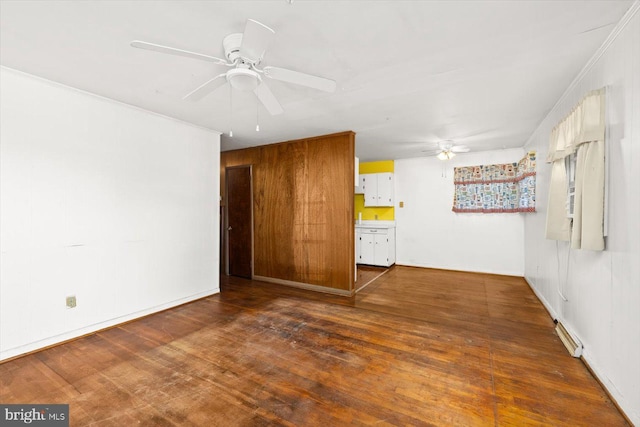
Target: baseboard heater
pixel 573 345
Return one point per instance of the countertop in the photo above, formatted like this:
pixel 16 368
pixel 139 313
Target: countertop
pixel 375 224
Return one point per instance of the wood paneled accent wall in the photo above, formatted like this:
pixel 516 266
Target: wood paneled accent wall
pixel 302 210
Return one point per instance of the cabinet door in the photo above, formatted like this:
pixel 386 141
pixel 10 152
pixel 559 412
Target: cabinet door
pixel 367 247
pixel 370 185
pixel 381 250
pixel 356 250
pixel 385 189
pixel 360 186
pixel 391 237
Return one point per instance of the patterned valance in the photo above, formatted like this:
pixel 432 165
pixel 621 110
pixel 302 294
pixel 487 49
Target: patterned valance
pixel 507 187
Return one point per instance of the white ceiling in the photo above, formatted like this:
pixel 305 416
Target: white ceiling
pixel 408 73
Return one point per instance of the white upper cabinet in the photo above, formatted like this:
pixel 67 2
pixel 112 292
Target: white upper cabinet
pixel 378 189
pixel 360 186
pixel 385 189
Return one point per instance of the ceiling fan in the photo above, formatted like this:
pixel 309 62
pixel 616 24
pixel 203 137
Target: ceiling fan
pixel 244 53
pixel 447 150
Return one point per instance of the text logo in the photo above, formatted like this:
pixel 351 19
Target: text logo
pixel 34 415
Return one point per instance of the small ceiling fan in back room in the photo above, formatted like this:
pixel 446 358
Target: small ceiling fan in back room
pixel 447 150
pixel 243 54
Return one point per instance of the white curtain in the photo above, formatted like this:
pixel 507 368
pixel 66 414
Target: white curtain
pixel 588 227
pixel 558 223
pixel 581 132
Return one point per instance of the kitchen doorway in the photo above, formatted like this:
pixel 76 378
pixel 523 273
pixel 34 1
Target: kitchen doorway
pixel 239 226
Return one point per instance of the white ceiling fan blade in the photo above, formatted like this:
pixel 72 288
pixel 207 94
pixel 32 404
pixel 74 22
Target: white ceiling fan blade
pixel 473 135
pixel 255 40
pixel 206 88
pixel 179 52
pixel 431 152
pixel 460 149
pixel 299 78
pixel 267 98
pixel 445 145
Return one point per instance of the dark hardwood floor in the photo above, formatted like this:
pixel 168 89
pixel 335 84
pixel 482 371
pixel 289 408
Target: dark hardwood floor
pixel 415 347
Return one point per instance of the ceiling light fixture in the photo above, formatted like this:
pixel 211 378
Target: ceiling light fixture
pixel 446 155
pixel 243 79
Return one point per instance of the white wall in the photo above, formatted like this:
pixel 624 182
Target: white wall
pixel 112 204
pixel 430 234
pixel 602 288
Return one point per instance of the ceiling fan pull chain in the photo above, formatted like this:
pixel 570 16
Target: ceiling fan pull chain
pixel 257 116
pixel 230 111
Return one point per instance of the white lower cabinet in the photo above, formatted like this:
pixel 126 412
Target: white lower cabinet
pixel 376 246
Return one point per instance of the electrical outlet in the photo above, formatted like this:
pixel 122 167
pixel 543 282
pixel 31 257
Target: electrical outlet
pixel 71 301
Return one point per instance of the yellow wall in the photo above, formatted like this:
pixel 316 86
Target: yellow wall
pixel 383 213
pixel 376 167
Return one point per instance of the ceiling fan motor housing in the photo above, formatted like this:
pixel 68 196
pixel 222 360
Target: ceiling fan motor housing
pixel 231 45
pixel 445 145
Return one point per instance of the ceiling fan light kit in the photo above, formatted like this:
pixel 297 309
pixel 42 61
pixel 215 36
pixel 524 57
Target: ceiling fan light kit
pixel 447 150
pixel 243 79
pixel 446 155
pixel 244 52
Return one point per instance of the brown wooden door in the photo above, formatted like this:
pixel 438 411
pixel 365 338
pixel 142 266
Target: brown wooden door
pixel 239 221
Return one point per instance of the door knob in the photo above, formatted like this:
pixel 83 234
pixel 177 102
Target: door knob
pixel 229 228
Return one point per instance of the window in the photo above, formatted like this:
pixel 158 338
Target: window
pixel 575 211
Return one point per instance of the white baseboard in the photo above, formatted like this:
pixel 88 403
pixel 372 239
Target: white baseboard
pixel 595 369
pixel 542 299
pixel 498 273
pixel 67 336
pixel 625 406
